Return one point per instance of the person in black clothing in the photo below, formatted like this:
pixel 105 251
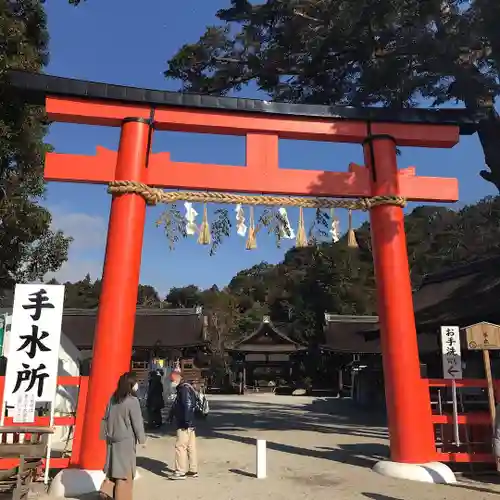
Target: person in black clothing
pixel 183 415
pixel 155 401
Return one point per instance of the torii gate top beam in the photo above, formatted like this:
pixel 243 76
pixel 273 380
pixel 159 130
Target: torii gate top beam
pixel 39 86
pixel 263 123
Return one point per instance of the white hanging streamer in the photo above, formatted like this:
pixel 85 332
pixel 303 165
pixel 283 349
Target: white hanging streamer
pixel 335 230
pixel 190 216
pixel 286 230
pixel 240 220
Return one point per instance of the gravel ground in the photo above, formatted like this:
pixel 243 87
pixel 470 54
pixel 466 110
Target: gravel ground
pixel 317 448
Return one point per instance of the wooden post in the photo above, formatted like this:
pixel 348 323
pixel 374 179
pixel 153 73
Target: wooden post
pixel 491 395
pixel 485 336
pixel 489 380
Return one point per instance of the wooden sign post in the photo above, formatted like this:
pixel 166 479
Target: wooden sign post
pixel 486 337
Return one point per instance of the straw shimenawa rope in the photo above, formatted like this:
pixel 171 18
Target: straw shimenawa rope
pixel 153 196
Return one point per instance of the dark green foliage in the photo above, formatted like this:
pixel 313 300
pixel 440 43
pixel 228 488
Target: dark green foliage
pixel 363 52
pixel 29 248
pixel 188 296
pixel 324 277
pixel 84 294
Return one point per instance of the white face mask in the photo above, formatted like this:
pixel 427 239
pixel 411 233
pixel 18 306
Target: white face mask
pixel 136 387
pixel 174 383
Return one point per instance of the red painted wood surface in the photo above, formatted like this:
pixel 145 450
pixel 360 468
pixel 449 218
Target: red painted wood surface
pixel 114 334
pixel 475 420
pixel 408 399
pixel 261 162
pixel 70 110
pixel 56 463
pixel 464 457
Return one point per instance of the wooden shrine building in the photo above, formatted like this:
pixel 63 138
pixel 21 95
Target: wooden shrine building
pixel 461 296
pixel 354 348
pixel 168 335
pixel 266 358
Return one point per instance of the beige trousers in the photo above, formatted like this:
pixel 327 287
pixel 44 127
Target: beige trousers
pixel 185 451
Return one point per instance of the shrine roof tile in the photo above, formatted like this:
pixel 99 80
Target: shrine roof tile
pixel 266 338
pixel 361 336
pixel 169 328
pixel 461 296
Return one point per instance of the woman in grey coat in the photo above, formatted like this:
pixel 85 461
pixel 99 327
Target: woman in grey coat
pixel 122 428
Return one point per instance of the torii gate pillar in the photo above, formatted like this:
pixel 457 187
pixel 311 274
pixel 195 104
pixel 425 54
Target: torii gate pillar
pixel 120 280
pixel 407 394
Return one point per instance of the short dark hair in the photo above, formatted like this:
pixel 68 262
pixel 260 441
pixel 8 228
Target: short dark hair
pixel 125 387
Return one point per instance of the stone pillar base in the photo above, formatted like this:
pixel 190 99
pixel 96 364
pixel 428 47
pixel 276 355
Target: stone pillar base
pixel 70 483
pixel 432 472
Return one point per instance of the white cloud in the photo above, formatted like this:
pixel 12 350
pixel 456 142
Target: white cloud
pixel 86 252
pixel 76 269
pixel 88 231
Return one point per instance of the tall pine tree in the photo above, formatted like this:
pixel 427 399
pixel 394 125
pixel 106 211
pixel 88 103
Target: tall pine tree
pixel 29 248
pixel 396 53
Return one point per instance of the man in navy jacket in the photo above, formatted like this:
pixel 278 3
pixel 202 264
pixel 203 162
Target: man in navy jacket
pixel 183 415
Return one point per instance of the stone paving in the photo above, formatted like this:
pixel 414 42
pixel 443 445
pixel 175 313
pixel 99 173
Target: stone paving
pixel 317 448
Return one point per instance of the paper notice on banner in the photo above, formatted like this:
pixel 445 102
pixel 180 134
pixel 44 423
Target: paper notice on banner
pixel 24 411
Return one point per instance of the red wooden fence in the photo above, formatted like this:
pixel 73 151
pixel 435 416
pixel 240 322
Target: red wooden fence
pixel 478 423
pixel 75 420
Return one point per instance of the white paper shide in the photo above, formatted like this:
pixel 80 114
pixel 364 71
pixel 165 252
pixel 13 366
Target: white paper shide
pixel 33 353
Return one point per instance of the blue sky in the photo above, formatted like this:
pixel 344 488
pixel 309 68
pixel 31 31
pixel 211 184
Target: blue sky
pixel 128 42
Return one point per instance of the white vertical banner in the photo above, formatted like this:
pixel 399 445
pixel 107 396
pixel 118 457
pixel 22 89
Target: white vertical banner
pixel 451 353
pixel 35 337
pixel 33 353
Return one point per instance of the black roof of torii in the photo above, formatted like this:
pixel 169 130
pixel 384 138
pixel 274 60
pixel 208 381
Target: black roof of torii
pixel 36 86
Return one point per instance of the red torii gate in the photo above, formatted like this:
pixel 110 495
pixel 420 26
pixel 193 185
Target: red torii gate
pixel 139 111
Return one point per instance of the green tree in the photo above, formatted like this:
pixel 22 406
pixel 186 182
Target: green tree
pixel 188 296
pixel 364 52
pixel 83 294
pixel 252 285
pixel 332 278
pixel 147 296
pixel 323 278
pixel 29 248
pixel 221 309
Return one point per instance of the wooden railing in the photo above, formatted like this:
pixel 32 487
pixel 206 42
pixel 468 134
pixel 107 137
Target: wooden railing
pixel 75 420
pixel 476 423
